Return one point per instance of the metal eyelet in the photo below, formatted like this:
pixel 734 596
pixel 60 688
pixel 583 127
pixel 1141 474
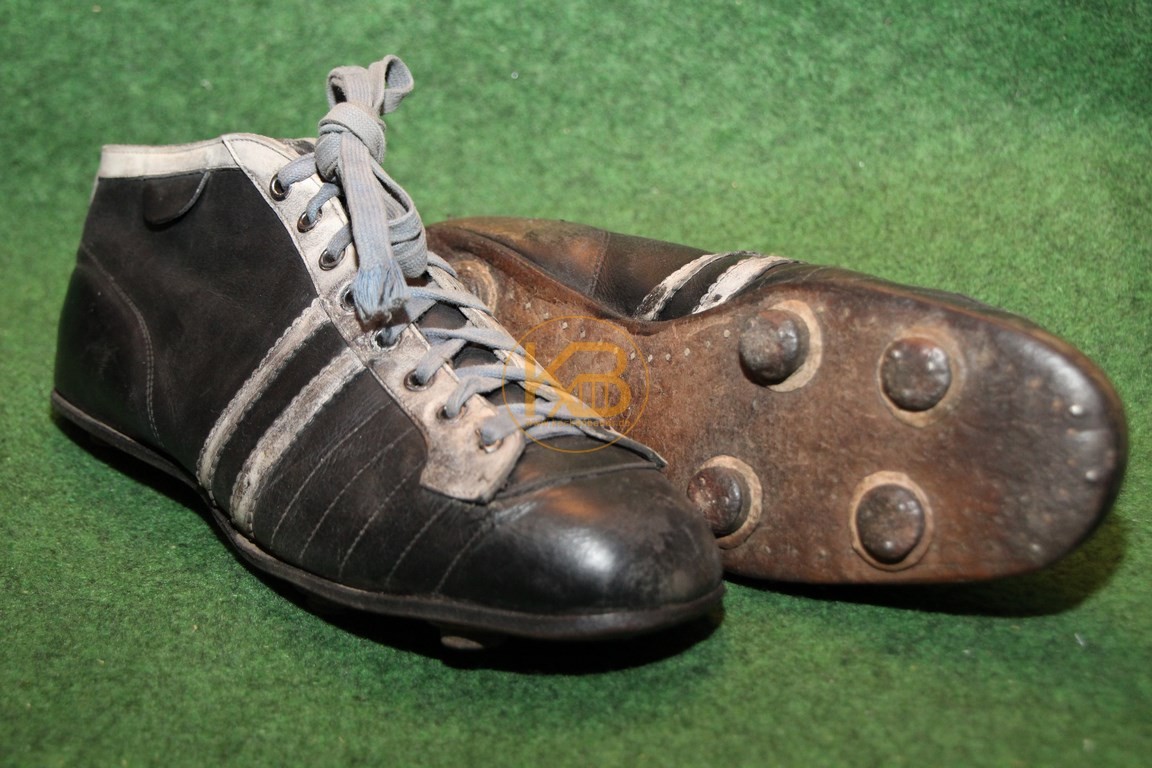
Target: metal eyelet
pixel 347 303
pixel 330 261
pixel 442 413
pixel 414 384
pixel 304 224
pixel 276 189
pixel 380 341
pixel 488 448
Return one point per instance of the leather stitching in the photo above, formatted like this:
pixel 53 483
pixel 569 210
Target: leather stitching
pixel 412 542
pixel 308 403
pixel 600 260
pixel 150 376
pixel 332 504
pixel 481 531
pixel 317 467
pixel 371 519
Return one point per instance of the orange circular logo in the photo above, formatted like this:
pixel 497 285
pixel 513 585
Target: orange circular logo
pixel 595 369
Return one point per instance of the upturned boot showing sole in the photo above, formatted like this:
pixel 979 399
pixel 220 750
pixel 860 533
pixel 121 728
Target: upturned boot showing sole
pixel 830 426
pixel 262 320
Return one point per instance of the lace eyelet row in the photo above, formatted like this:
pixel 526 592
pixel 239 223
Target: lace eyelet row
pixel 277 191
pixel 413 384
pixel 329 260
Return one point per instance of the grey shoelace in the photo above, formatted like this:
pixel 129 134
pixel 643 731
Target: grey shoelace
pixel 391 247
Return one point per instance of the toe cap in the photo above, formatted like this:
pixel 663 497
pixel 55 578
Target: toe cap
pixel 621 542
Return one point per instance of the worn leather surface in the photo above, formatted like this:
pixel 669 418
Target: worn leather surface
pixel 182 285
pixel 614 269
pixel 1014 466
pixel 618 270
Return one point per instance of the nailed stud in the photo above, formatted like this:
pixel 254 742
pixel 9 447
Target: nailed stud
pixel 915 374
pixel 459 639
pixel 890 523
pixel 773 345
pixel 722 496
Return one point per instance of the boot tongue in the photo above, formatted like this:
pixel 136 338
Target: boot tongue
pixel 449 317
pixel 444 316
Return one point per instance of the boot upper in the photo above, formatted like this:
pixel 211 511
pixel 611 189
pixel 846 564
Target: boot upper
pixel 204 322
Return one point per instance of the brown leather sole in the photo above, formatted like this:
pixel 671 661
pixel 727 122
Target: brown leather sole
pixel 836 428
pixel 463 626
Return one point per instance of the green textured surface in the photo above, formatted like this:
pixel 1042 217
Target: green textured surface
pixel 1003 150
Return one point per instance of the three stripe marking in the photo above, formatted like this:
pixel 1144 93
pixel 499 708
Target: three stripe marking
pixel 278 356
pixel 281 435
pixel 728 284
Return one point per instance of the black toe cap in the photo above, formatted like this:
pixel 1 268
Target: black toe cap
pixel 621 542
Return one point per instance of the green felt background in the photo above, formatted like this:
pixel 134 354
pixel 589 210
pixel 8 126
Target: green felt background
pixel 1002 150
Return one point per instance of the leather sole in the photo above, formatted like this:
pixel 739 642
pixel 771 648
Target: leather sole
pixel 463 625
pixel 835 428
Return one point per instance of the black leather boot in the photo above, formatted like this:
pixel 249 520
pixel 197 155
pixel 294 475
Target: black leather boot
pixel 262 319
pixel 832 427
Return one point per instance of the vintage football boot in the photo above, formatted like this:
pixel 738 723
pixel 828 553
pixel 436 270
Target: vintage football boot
pixel 832 427
pixel 262 319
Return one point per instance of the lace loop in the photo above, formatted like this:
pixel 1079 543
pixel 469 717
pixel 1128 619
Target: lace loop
pixel 390 243
pixel 387 229
pixel 355 121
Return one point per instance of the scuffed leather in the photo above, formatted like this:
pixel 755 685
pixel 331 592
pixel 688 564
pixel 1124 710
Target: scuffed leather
pixel 617 270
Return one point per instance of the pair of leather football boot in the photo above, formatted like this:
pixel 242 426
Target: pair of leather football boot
pixel 269 321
